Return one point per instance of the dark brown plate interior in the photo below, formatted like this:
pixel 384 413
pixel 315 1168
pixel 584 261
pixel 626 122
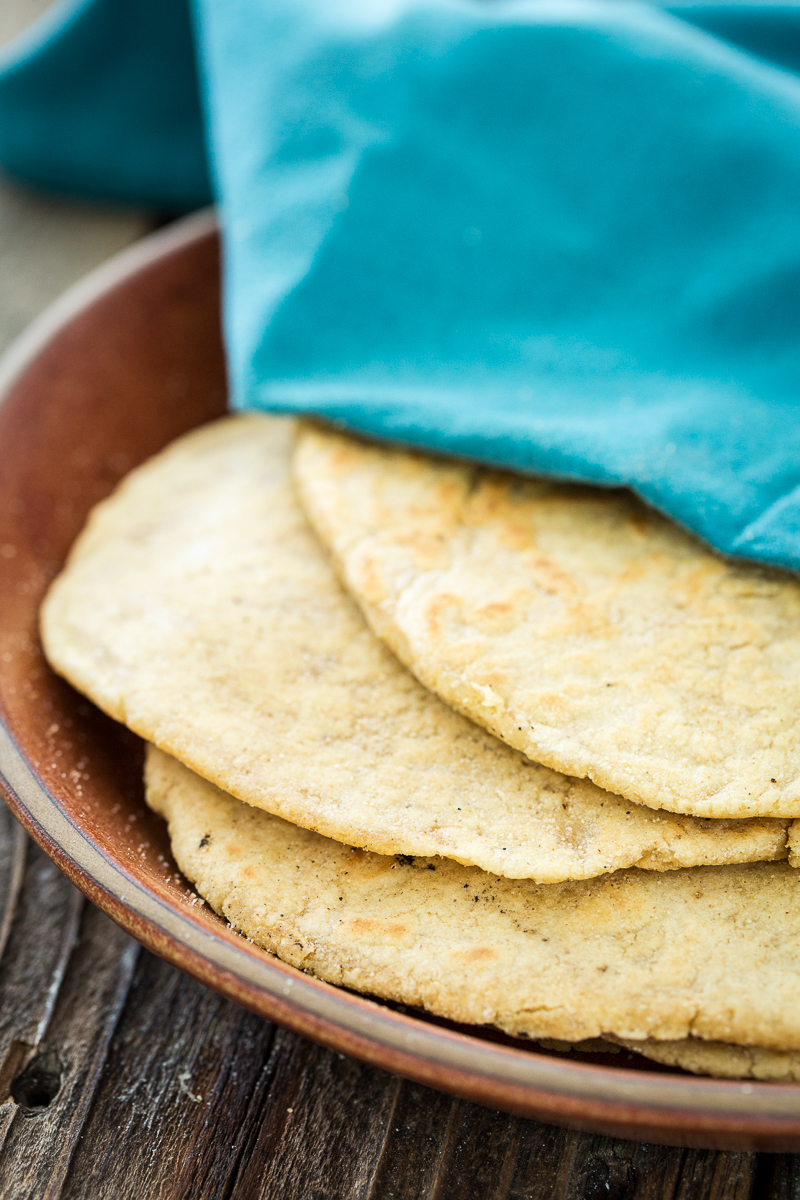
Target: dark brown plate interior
pixel 121 366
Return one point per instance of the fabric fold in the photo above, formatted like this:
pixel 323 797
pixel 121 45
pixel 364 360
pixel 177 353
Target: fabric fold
pixel 559 236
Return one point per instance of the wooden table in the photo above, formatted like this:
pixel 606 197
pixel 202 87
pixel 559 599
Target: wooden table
pixel 120 1077
pixel 145 1085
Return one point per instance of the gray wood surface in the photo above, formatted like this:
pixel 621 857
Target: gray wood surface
pixel 121 1078
pixel 48 242
pixel 17 15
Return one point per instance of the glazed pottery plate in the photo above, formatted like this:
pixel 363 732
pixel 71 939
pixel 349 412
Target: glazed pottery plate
pixel 125 362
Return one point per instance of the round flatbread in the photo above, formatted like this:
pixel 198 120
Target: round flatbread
pixel 574 623
pixel 712 951
pixel 722 1059
pixel 199 608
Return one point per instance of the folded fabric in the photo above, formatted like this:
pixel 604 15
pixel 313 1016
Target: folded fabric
pixel 560 237
pixel 100 98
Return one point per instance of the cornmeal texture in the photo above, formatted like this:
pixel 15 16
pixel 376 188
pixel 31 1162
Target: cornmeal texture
pixel 199 608
pixel 574 623
pixel 709 951
pixel 702 1058
pixel 722 1059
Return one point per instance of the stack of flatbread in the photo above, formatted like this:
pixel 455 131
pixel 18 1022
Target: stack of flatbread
pixel 520 753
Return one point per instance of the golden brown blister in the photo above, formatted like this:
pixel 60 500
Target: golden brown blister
pixel 199 608
pixel 713 952
pixel 576 624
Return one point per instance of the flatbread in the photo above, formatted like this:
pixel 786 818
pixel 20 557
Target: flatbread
pixel 574 623
pixel 720 1059
pixel 198 608
pixel 793 843
pixel 708 951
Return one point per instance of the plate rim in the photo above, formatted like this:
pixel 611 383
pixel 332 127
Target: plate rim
pixel 617 1101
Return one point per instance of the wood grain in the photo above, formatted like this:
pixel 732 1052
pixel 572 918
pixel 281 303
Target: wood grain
pixel 122 1079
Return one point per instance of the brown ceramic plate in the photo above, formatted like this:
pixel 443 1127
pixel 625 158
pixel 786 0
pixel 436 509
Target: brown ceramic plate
pixel 120 366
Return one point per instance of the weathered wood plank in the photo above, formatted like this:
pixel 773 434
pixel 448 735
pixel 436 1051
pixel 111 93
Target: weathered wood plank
pixel 13 855
pixel 167 1091
pixel 198 1099
pixel 42 934
pixel 778 1177
pixel 481 1152
pixel 41 937
pixel 179 1094
pixel 323 1125
pixel 538 1169
pixel 54 1090
pixel 417 1134
pixel 716 1176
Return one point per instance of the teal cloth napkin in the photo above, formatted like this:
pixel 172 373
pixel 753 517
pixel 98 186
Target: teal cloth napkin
pixel 562 236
